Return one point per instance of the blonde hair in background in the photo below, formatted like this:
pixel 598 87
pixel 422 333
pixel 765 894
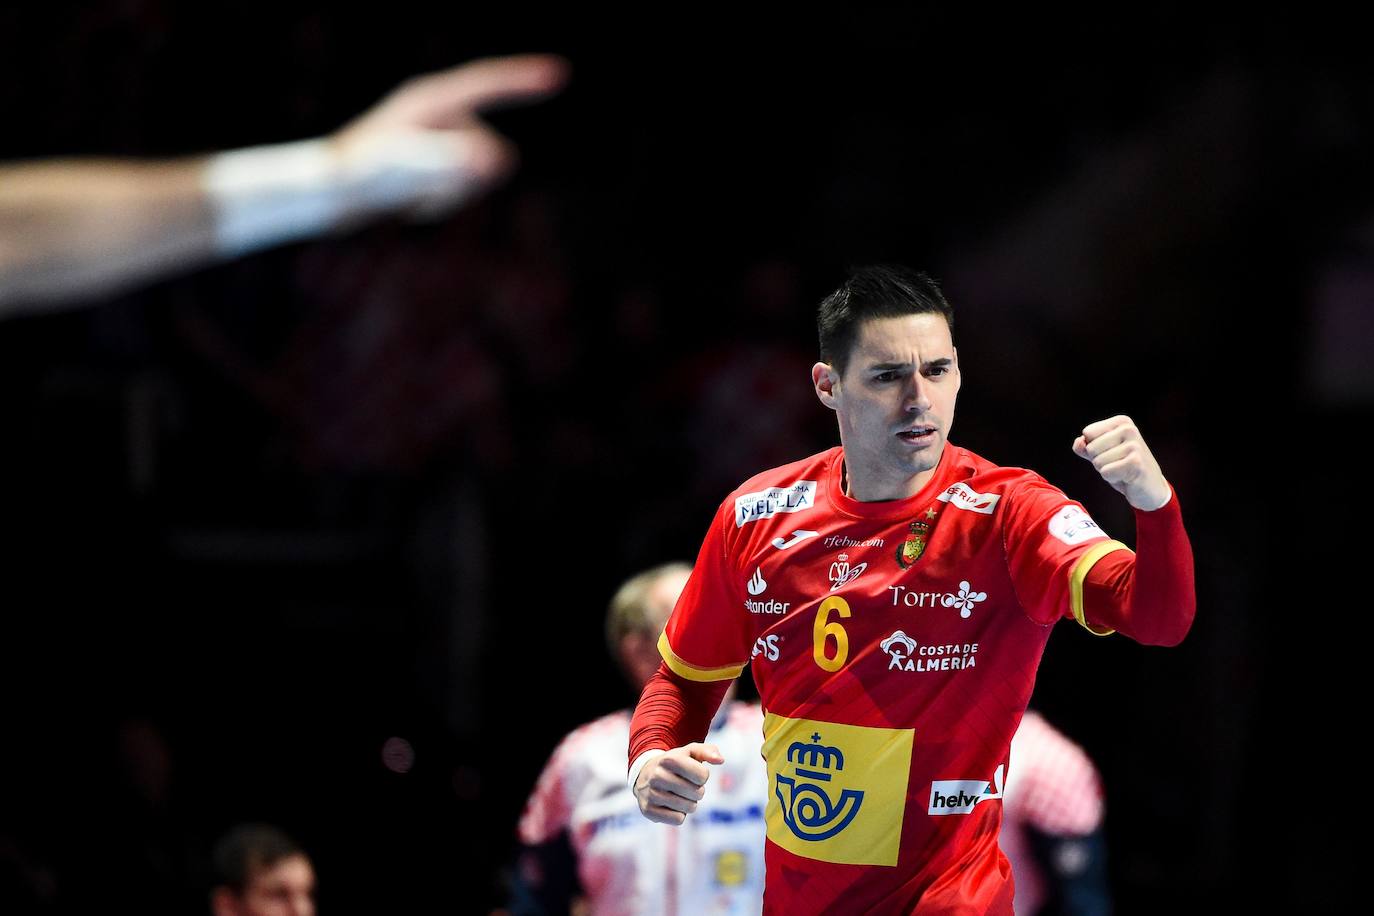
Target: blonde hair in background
pixel 629 608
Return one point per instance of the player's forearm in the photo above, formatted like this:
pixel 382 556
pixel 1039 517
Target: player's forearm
pixel 77 228
pixel 1149 597
pixel 70 228
pixel 673 712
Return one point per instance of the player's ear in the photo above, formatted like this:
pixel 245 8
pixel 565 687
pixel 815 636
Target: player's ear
pixel 825 380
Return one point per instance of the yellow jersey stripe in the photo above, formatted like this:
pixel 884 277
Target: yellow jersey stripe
pixel 1080 573
pixel 692 672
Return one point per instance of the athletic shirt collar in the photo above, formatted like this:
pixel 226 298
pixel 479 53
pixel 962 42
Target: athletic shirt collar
pixel 888 508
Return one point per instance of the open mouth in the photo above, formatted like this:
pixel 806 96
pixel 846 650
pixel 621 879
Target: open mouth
pixel 917 434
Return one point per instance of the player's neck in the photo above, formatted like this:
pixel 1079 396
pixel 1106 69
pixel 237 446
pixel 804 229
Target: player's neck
pixel 871 491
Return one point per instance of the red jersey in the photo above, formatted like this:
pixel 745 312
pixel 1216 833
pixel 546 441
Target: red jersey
pixel 894 645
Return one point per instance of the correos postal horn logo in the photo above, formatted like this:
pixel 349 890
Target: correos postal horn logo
pixel 807 808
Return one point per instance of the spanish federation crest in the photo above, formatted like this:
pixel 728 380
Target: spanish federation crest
pixel 911 550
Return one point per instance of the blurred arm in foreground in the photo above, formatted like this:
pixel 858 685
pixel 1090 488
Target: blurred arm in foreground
pixel 75 228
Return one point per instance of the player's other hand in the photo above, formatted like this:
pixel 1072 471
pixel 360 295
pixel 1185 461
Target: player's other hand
pixel 1118 451
pixel 670 785
pixel 423 149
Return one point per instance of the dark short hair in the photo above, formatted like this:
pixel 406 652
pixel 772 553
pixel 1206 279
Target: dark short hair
pixel 247 848
pixel 875 291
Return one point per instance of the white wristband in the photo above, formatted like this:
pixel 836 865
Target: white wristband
pixel 266 195
pixel 639 765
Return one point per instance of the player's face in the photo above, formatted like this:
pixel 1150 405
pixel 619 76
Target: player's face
pixel 287 888
pixel 894 402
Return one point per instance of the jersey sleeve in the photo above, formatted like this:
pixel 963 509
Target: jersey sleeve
pixel 1051 544
pixel 1148 596
pixel 672 712
pixel 708 636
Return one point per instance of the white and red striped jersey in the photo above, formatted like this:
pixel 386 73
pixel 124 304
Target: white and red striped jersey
pixel 1052 787
pixel 626 864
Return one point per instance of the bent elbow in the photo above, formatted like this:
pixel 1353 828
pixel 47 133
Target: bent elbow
pixel 1173 636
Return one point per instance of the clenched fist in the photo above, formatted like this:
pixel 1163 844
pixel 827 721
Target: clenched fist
pixel 670 785
pixel 1118 451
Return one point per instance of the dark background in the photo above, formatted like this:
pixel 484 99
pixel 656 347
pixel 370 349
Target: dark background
pixel 261 518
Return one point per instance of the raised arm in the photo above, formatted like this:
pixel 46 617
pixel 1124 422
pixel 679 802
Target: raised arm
pixel 1148 596
pixel 75 228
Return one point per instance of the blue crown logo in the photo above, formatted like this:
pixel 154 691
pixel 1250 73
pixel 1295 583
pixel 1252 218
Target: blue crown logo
pixel 807 808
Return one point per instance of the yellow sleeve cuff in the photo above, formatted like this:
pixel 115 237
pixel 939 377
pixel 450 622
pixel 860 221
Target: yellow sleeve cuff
pixel 692 672
pixel 1080 574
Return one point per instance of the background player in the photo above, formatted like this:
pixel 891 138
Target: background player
pixel 1052 832
pixel 581 833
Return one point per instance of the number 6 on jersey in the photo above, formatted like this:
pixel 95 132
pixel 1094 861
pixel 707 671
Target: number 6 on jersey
pixel 824 629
